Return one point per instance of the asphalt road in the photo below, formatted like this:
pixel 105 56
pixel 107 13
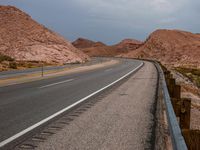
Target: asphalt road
pixel 25 104
pixel 122 119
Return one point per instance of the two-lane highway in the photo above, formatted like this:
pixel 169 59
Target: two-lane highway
pixel 25 106
pixel 17 73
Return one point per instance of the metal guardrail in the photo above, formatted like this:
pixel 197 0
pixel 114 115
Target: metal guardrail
pixel 178 141
pixel 177 138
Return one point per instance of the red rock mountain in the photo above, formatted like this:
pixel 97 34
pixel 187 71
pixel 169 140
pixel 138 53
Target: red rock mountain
pixel 128 44
pixel 173 47
pixel 85 43
pixel 92 48
pixel 24 39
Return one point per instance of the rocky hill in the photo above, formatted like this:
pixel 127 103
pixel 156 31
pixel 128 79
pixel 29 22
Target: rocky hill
pixel 173 47
pixel 128 44
pixel 85 43
pixel 23 39
pixel 92 48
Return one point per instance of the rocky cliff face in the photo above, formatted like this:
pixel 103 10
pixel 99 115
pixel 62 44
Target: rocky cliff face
pixel 173 47
pixel 24 39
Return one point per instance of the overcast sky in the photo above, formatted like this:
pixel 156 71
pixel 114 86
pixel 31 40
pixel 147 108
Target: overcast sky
pixel 112 20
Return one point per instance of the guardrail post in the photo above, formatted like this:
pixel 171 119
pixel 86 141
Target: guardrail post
pixel 172 83
pixel 176 103
pixel 185 113
pixel 167 74
pixel 167 81
pixel 192 138
pixel 177 92
pixel 171 75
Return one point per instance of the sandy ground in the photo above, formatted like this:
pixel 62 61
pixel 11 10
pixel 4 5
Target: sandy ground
pixel 122 120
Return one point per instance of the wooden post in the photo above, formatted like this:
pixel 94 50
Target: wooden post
pixel 177 106
pixel 171 86
pixel 167 81
pixel 171 75
pixel 167 74
pixel 192 139
pixel 176 99
pixel 185 113
pixel 177 92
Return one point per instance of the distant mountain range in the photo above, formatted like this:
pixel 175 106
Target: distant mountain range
pixel 171 47
pixel 92 48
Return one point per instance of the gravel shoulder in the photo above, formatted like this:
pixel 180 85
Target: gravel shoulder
pixel 121 120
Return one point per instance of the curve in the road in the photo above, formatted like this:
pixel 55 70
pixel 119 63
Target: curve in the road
pixel 29 105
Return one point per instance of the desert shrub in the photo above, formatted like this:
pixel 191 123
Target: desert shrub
pixel 13 65
pixel 34 62
pixel 30 64
pixel 5 58
pixel 196 72
pixel 191 73
pixel 76 62
pixel 141 56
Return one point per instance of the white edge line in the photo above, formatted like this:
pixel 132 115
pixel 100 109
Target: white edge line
pixel 14 137
pixel 56 83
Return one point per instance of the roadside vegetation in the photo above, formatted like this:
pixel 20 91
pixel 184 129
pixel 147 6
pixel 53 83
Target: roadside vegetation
pixel 5 58
pixel 191 73
pixel 8 63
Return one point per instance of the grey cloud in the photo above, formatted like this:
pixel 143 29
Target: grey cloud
pixel 112 20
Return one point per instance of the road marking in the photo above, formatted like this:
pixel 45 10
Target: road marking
pixel 108 70
pixel 14 137
pixel 56 83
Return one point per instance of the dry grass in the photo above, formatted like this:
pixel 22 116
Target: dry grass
pixel 192 73
pixel 5 58
pixel 8 63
